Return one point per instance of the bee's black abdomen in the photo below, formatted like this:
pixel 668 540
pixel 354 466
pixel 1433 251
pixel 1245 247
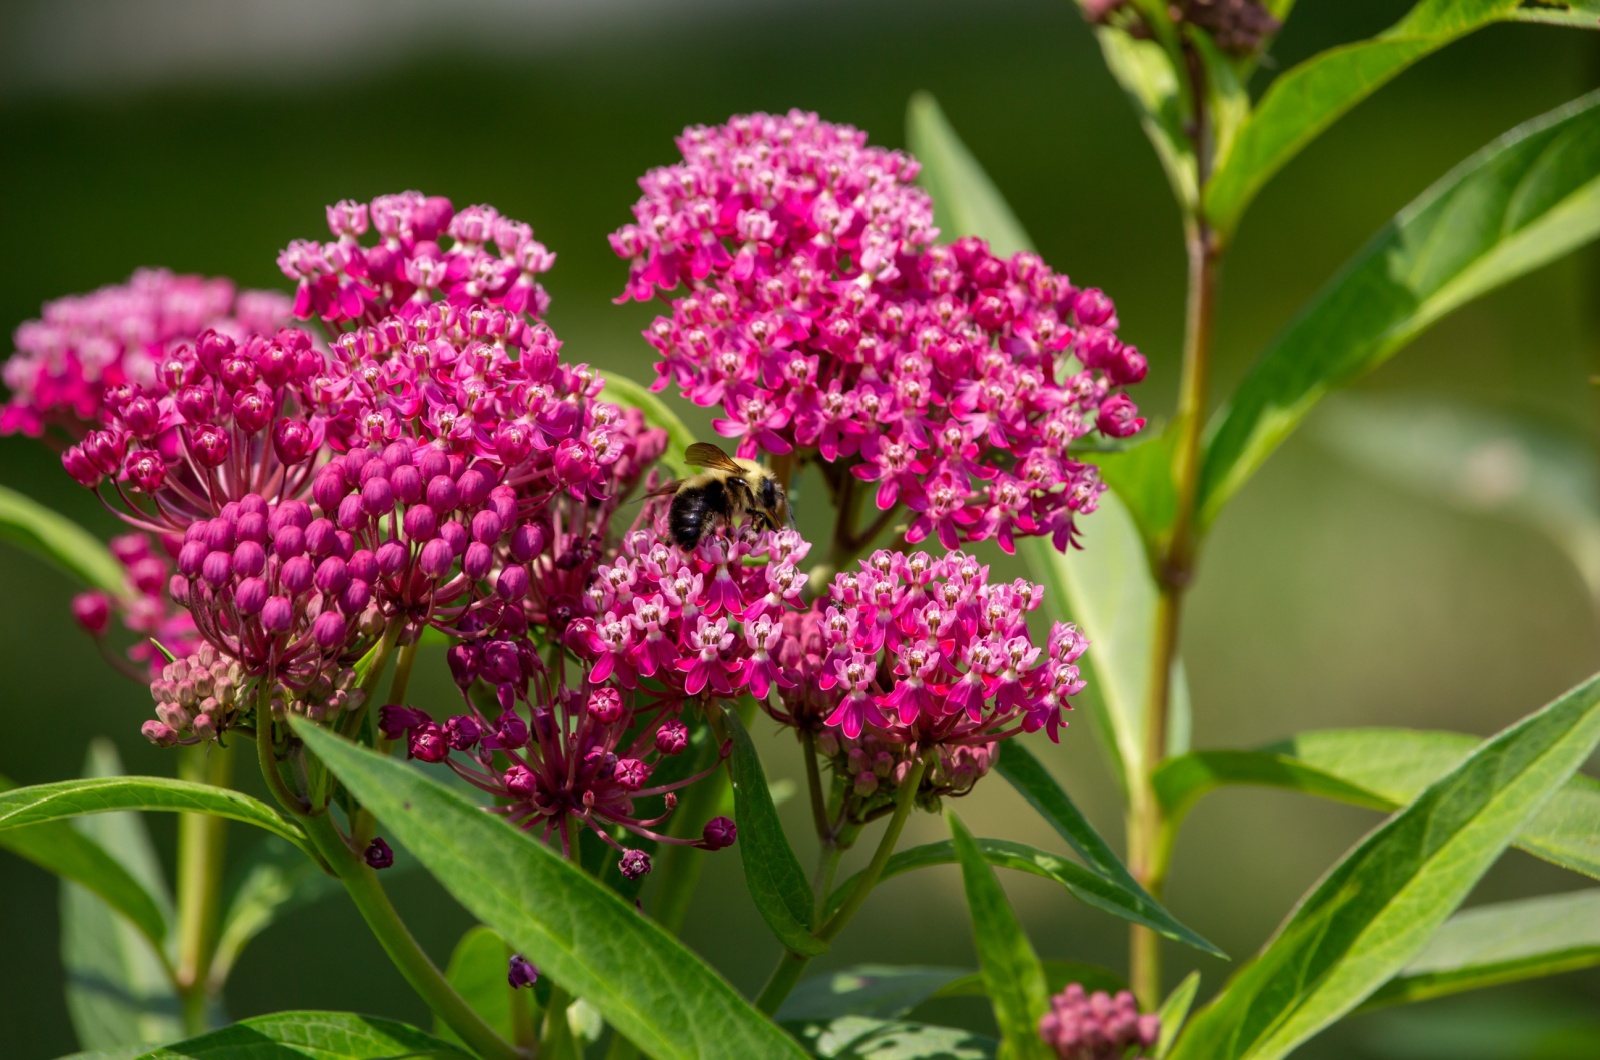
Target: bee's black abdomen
pixel 693 508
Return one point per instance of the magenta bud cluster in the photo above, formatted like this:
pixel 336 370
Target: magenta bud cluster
pixel 819 315
pixel 1097 1026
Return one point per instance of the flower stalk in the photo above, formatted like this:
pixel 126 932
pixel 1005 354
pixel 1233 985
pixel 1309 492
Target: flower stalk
pixel 202 840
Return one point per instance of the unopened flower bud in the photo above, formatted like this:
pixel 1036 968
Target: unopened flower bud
pixel 378 854
pixel 521 972
pixel 634 864
pixel 719 832
pixel 92 611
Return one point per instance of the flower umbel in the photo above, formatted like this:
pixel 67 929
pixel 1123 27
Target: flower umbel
pixel 1097 1026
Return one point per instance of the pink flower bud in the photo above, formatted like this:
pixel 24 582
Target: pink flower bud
pixel 392 557
pixel 420 522
pixel 519 781
pixel 277 615
pixel 210 445
pixel 146 470
pixel 672 738
pixel 605 705
pixel 249 559
pixel 512 584
pixel 329 488
pixel 329 630
pixel 297 575
pixel 436 559
pixel 719 832
pixel 477 561
pixel 250 596
pixel 92 611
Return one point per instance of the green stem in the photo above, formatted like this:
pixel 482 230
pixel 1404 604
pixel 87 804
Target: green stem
pixel 361 883
pixel 1175 570
pixel 202 841
pixel 819 801
pixel 792 965
pixel 556 1042
pixel 267 756
pixel 362 827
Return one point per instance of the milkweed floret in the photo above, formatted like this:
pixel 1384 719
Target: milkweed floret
pixel 1097 1026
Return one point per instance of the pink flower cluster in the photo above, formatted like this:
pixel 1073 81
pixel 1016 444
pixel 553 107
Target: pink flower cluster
pixel 708 622
pixel 1097 1026
pixel 345 280
pixel 819 315
pixel 119 334
pixel 913 654
pixel 143 607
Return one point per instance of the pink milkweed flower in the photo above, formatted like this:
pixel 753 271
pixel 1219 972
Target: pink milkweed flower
pixel 808 299
pixel 1097 1026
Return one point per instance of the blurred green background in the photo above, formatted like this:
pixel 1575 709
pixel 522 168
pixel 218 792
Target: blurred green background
pixel 1326 598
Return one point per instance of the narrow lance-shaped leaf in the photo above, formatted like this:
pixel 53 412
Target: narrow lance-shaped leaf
pixel 1375 911
pixel 74 798
pixel 1011 971
pixel 59 848
pixel 1089 887
pixel 771 871
pixel 1525 200
pixel 965 200
pixel 59 541
pixel 1501 943
pixel 1383 769
pixel 1306 99
pixel 312 1036
pixel 1174 1011
pixel 654 992
pixel 1034 782
pixel 624 391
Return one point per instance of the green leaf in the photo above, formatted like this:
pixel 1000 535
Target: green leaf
pixel 1306 99
pixel 771 871
pixel 864 1038
pixel 1141 476
pixel 1375 911
pixel 119 985
pixel 478 972
pixel 72 798
pixel 1035 783
pixel 63 850
pixel 1011 971
pixel 1174 1011
pixel 1229 103
pixel 311 1036
pixel 1479 461
pixel 59 541
pixel 1580 14
pixel 275 879
pixel 1383 769
pixel 1524 200
pixel 654 992
pixel 1090 887
pixel 1108 590
pixel 1144 70
pixel 1503 943
pixel 621 390
pixel 1057 974
pixel 965 200
pixel 881 991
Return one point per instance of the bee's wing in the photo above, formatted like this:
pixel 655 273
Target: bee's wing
pixel 704 454
pixel 659 491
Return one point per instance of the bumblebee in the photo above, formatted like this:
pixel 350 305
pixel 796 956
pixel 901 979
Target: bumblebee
pixel 729 490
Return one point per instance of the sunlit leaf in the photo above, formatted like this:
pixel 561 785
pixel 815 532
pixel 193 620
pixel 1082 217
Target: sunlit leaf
pixel 74 798
pixel 865 1038
pixel 311 1036
pixel 60 849
pixel 119 988
pixel 1502 943
pixel 563 920
pixel 1012 975
pixel 965 200
pixel 1383 769
pixel 1174 1011
pixel 777 884
pixel 59 541
pixel 1376 910
pixel 1523 201
pixel 1306 99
